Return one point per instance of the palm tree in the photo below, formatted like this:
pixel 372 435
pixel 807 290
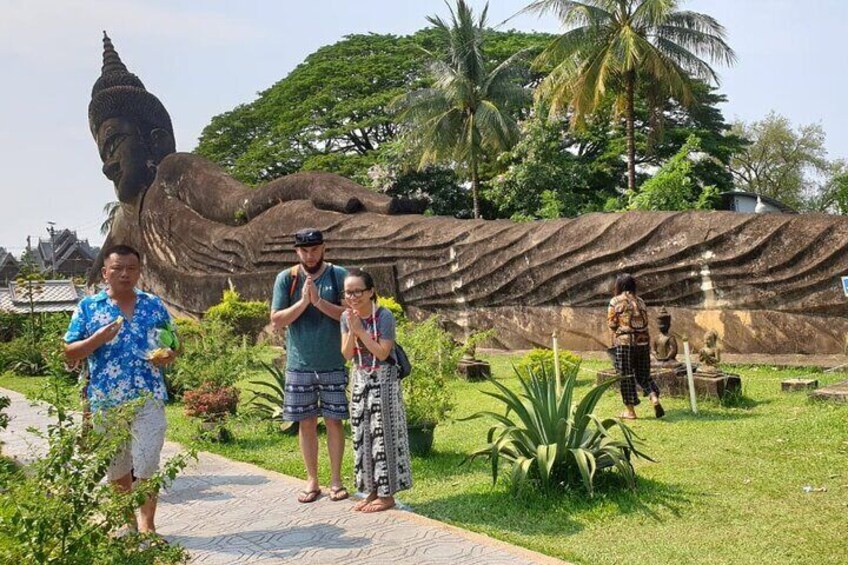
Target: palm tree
pixel 465 114
pixel 610 44
pixel 111 210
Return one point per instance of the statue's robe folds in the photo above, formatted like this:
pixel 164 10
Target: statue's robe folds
pixel 767 283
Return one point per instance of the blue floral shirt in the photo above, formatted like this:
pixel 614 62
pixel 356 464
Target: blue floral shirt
pixel 119 370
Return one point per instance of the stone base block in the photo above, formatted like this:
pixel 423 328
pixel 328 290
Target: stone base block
pixel 673 384
pixel 474 370
pixel 790 385
pixel 668 381
pixel 835 393
pixel 716 385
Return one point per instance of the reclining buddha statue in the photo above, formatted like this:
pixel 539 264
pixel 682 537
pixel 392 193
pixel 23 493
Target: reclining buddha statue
pixel 764 282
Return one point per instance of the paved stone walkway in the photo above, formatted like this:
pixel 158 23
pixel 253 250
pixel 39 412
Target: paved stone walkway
pixel 225 512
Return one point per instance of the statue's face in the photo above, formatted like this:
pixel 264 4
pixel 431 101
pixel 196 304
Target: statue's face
pixel 128 160
pixel 664 326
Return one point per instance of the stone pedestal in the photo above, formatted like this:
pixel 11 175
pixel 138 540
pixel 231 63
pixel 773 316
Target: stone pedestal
pixel 836 392
pixel 715 385
pixel 790 385
pixel 673 384
pixel 474 370
pixel 669 382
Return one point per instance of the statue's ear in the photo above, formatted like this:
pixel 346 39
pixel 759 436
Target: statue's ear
pixel 162 142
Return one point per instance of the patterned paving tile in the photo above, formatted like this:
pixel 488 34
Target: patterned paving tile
pixel 226 512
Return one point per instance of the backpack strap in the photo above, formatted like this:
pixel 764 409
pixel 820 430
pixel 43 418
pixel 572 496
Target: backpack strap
pixel 334 284
pixel 294 272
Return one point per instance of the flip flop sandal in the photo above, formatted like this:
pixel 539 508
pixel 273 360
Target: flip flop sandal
pixel 338 493
pixel 307 496
pixel 626 417
pixel 377 506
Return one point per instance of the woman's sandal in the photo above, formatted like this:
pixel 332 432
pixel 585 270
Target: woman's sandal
pixel 378 506
pixel 626 416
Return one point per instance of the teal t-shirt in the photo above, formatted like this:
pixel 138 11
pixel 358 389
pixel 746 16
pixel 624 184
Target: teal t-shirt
pixel 313 341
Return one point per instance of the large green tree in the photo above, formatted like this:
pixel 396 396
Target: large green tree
pixel 468 112
pixel 583 168
pixel 330 113
pixel 614 45
pixel 781 161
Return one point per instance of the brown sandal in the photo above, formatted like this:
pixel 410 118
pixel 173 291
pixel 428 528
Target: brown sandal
pixel 338 493
pixel 307 496
pixel 378 506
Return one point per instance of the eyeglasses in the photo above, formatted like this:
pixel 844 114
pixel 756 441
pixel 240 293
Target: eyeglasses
pixel 355 293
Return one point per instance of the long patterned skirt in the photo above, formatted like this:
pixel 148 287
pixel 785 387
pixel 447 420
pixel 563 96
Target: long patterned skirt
pixel 380 437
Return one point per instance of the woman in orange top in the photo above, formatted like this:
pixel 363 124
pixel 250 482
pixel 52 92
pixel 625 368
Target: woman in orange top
pixel 628 320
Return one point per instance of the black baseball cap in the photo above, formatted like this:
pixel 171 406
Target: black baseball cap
pixel 308 237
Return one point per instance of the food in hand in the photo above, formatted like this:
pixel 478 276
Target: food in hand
pixel 159 353
pixel 120 321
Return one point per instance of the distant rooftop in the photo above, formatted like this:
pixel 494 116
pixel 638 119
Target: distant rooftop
pixel 49 296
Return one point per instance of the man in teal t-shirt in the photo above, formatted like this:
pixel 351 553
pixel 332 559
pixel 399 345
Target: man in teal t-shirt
pixel 307 300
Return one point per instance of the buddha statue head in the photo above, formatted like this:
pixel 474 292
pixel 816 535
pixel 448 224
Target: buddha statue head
pixel 130 125
pixel 664 320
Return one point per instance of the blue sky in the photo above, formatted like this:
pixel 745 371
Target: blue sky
pixel 203 58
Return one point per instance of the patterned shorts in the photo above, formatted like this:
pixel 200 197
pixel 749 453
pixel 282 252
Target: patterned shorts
pixel 311 393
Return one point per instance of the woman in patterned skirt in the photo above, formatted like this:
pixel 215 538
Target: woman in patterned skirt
pixel 628 320
pixel 377 413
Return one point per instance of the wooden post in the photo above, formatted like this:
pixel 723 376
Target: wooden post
pixel 693 402
pixel 556 364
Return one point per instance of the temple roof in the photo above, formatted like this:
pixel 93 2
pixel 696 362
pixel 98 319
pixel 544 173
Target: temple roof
pixel 49 296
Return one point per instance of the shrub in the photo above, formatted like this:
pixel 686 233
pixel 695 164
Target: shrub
pixel 548 441
pixel 434 356
pixel 211 402
pixel 542 360
pixel 5 402
pixel 245 318
pixel 210 353
pixel 392 306
pixel 269 401
pixel 23 357
pixel 11 326
pixel 63 511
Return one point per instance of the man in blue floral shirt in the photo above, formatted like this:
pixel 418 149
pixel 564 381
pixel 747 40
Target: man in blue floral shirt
pixel 118 330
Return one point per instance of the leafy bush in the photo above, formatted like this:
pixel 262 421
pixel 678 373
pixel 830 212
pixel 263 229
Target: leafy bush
pixel 245 318
pixel 392 306
pixel 542 361
pixel 63 511
pixel 675 187
pixel 270 403
pixel 23 357
pixel 548 441
pixel 212 353
pixel 5 402
pixel 434 356
pixel 211 402
pixel 11 326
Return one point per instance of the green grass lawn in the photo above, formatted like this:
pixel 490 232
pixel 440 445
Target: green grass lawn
pixel 727 486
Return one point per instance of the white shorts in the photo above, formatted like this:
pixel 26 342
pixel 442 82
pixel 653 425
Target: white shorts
pixel 147 436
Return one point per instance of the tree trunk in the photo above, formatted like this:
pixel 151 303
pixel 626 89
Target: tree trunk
pixel 631 133
pixel 475 187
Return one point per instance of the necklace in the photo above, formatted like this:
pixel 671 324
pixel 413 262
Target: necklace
pixel 373 332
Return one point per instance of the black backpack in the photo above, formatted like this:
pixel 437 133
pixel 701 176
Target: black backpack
pixel 403 364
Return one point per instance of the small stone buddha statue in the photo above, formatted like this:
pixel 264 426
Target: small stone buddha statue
pixel 710 354
pixel 665 345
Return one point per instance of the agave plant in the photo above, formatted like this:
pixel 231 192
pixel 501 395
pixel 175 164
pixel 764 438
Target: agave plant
pixel 269 404
pixel 549 441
